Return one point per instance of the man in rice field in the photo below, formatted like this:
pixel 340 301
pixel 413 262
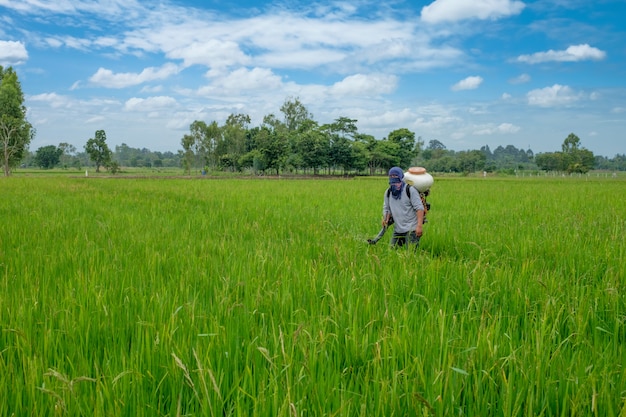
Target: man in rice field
pixel 402 202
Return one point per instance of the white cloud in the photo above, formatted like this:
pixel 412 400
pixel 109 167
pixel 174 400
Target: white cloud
pixel 12 53
pixel 95 119
pixel 520 79
pixel 492 129
pixel 365 85
pixel 152 89
pixel 455 10
pixel 301 58
pixel 45 5
pixel 106 78
pixel 149 104
pixel 115 10
pixel 400 117
pixel 76 43
pixel 209 52
pixel 557 95
pixel 469 83
pixel 255 79
pixel 573 53
pixel 52 42
pixel 52 99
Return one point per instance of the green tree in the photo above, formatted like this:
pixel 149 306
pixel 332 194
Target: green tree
pixel 576 158
pixel 272 141
pixel 295 114
pixel 212 136
pixel 297 121
pixel 314 148
pixel 98 150
pixel 471 161
pixel 435 145
pixel 384 156
pixel 549 161
pixel 200 143
pixel 341 133
pixel 405 139
pixel 187 154
pixel 48 157
pixel 233 141
pixel 16 132
pixel 67 154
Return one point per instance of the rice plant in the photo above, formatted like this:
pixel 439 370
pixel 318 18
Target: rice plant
pixel 168 297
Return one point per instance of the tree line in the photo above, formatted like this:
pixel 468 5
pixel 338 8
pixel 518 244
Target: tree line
pixel 295 143
pixel 435 157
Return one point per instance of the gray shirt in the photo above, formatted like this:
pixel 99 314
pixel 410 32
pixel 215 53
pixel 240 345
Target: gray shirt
pixel 403 210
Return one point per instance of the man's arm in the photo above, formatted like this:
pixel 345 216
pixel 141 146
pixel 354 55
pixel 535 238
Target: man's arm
pixel 420 222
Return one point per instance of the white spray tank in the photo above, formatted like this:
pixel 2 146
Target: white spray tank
pixel 419 178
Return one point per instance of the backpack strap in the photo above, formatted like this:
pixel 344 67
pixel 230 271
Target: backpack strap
pixel 408 191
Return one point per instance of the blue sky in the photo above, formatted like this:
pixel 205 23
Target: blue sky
pixel 468 73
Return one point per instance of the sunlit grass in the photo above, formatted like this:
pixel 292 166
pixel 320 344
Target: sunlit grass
pixel 261 297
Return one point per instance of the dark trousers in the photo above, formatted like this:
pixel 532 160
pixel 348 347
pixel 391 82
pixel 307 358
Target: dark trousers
pixel 404 239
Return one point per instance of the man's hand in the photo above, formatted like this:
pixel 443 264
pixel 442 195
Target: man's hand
pixel 418 230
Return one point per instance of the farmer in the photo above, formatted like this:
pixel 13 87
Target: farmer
pixel 406 209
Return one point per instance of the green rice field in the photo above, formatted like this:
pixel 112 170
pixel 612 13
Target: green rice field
pixel 260 297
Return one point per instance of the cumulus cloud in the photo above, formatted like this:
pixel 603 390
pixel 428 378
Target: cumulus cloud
pixel 557 95
pixel 12 53
pixel 469 83
pixel 574 53
pixel 149 104
pixel 301 58
pixel 242 79
pixel 502 128
pixel 254 79
pixel 520 79
pixel 107 78
pixel 455 10
pixel 365 85
pixel 52 99
pixel 208 52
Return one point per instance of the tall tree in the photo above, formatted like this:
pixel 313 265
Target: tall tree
pixel 297 121
pixel 187 154
pixel 98 150
pixel 549 161
pixel 67 154
pixel 406 145
pixel 233 145
pixel 273 144
pixel 571 143
pixel 15 131
pixel 314 148
pixel 295 114
pixel 384 156
pixel 341 133
pixel 575 157
pixel 434 150
pixel 212 136
pixel 48 157
pixel 200 144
